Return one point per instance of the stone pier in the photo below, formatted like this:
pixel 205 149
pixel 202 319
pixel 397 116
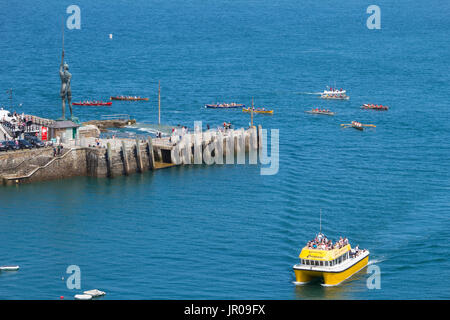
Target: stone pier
pixel 115 157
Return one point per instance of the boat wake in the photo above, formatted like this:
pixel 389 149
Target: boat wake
pixel 149 130
pixel 375 261
pixel 314 93
pixel 299 283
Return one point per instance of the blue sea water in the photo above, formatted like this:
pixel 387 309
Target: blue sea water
pixel 227 232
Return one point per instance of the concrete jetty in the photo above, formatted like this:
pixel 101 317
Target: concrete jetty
pixel 90 156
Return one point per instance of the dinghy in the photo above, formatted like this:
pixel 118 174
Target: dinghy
pixel 9 268
pixel 95 293
pixel 83 297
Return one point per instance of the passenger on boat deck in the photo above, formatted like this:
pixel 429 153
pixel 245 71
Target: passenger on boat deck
pixel 321 242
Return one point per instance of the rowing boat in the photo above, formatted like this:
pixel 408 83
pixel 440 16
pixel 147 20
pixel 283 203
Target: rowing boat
pixel 92 103
pixel 225 106
pixel 327 113
pixel 128 98
pixel 357 125
pixel 9 268
pixel 375 107
pixel 257 111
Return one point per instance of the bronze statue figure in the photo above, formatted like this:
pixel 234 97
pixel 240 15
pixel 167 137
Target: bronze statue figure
pixel 66 91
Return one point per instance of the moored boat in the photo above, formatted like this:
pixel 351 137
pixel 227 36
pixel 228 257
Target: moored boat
pixel 333 263
pixel 258 110
pixel 83 297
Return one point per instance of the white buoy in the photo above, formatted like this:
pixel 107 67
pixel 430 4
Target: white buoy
pixel 83 297
pixel 9 268
pixel 95 293
pixel 110 36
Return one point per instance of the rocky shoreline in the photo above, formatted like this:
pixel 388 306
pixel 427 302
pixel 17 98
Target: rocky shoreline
pixel 104 125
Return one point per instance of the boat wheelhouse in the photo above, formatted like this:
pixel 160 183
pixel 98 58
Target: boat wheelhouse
pixel 332 263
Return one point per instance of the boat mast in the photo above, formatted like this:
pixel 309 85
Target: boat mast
pixel 62 27
pixel 159 103
pixel 320 223
pixel 252 115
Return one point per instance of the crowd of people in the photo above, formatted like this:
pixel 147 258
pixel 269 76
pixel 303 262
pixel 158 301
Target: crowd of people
pixel 179 131
pixel 57 150
pixel 16 123
pixel 321 242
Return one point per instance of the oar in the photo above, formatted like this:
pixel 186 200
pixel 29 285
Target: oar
pixel 346 124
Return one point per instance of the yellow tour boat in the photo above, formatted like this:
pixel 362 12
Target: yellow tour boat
pixel 263 111
pixel 334 263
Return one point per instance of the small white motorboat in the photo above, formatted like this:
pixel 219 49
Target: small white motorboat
pixel 95 293
pixel 83 297
pixel 9 268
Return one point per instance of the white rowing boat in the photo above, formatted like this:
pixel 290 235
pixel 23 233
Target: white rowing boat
pixel 9 268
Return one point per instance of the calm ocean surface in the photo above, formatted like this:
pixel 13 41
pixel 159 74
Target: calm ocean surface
pixel 226 232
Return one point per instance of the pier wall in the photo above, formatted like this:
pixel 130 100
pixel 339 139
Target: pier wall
pixel 40 165
pixel 11 160
pixel 116 157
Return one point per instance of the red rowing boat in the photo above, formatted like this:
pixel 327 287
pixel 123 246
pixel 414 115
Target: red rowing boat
pixel 94 103
pixel 375 107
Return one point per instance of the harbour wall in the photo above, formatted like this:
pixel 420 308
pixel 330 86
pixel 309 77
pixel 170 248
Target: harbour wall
pixel 116 157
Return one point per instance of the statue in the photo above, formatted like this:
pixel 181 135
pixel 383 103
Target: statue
pixel 66 91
